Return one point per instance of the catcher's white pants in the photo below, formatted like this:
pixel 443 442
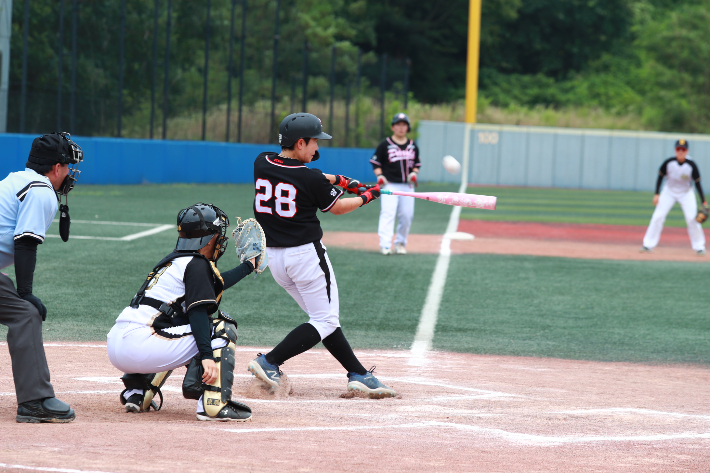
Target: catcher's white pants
pixel 136 348
pixel 306 273
pixel 689 205
pixel 397 206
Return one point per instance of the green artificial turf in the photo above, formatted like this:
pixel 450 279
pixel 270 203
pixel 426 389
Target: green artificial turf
pixel 575 309
pixel 529 204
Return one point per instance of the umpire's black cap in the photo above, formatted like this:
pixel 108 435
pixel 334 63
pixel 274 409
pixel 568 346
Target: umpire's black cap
pixel 681 144
pixel 54 148
pixel 300 125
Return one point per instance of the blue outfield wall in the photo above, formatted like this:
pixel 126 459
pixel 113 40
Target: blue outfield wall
pixel 129 161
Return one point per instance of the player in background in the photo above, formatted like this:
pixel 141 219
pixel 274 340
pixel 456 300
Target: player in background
pixel 29 204
pixel 288 194
pixel 396 166
pixel 168 323
pixel 680 172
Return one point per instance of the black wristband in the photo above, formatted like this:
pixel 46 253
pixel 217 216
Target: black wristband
pixel 364 200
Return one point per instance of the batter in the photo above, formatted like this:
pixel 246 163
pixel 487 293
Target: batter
pixel 680 172
pixel 288 194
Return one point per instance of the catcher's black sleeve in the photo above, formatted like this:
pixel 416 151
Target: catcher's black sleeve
pixel 233 276
pixel 200 325
pixel 199 285
pixel 25 262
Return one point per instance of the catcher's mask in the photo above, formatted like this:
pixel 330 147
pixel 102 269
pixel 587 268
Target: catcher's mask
pixel 197 225
pixel 53 148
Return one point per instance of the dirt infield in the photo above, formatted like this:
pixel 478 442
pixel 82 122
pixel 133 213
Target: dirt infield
pixel 615 242
pixel 455 412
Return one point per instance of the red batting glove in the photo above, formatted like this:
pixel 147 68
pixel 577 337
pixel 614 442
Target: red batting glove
pixel 382 180
pixel 350 185
pixel 370 194
pixel 412 179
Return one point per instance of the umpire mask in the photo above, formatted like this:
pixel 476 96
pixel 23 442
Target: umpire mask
pixel 53 148
pixel 197 225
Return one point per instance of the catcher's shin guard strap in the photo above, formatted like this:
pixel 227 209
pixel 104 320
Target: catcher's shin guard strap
pixel 218 394
pixel 150 384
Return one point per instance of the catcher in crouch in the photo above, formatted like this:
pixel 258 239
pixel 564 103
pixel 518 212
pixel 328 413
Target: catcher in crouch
pixel 167 324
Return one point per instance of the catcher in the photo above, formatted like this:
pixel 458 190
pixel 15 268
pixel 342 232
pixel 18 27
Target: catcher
pixel 168 324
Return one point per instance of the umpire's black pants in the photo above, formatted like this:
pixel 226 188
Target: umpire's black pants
pixel 24 339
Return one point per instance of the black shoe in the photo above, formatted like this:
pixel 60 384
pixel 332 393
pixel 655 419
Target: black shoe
pixel 233 411
pixel 49 409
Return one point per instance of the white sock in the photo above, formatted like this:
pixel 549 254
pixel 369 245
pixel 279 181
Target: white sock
pixel 131 392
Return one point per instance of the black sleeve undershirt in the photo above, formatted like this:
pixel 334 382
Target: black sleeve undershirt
pixel 700 190
pixel 658 183
pixel 25 262
pixel 233 276
pixel 201 330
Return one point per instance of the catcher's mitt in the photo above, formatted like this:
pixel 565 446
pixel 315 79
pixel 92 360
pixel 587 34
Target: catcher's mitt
pixel 250 240
pixel 703 214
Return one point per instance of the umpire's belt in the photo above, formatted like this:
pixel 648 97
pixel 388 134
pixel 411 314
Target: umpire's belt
pixel 171 310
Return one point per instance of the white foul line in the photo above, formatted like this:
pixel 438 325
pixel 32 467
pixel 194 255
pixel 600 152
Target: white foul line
pixel 42 468
pixel 430 311
pixel 131 237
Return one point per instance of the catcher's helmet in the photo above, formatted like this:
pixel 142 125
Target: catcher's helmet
pixel 300 125
pixel 197 225
pixel 401 117
pixel 57 147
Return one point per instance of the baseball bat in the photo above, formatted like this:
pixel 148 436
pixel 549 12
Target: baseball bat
pixel 473 201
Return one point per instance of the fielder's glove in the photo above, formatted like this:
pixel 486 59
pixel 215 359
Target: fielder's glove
pixel 382 180
pixel 250 240
pixel 370 194
pixel 348 184
pixel 703 214
pixel 412 178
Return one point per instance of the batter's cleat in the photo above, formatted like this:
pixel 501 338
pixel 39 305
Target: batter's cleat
pixel 265 371
pixel 400 249
pixel 700 252
pixel 386 251
pixel 643 249
pixel 49 409
pixel 368 384
pixel 233 411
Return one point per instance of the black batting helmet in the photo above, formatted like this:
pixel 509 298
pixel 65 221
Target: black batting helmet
pixel 401 117
pixel 197 225
pixel 300 125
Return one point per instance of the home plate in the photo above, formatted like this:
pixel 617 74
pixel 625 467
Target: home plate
pixel 459 236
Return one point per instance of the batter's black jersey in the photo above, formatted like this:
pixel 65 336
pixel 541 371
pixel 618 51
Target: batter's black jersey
pixel 288 194
pixel 396 161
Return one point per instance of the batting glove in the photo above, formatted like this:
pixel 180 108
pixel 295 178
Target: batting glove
pixel 412 179
pixel 370 194
pixel 382 180
pixel 347 183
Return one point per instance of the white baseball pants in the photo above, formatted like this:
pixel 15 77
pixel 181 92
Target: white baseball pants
pixel 306 273
pixel 397 206
pixel 689 205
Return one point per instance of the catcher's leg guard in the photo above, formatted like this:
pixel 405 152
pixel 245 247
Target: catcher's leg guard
pixel 217 396
pixel 150 384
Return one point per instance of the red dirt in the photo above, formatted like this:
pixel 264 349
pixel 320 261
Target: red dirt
pixel 454 412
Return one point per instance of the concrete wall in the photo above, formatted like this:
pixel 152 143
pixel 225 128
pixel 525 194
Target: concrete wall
pixel 553 157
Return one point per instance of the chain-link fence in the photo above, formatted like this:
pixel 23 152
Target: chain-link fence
pixel 221 70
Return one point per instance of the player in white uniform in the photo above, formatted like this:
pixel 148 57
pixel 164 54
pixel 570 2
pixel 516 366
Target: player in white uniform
pixel 288 194
pixel 168 323
pixel 396 166
pixel 680 173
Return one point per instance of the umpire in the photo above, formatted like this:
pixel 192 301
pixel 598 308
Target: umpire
pixel 28 204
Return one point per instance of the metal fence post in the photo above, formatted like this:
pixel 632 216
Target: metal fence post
pixel 357 96
pixel 207 66
pixel 166 65
pixel 155 67
pixel 332 91
pixel 305 76
pixel 275 71
pixel 72 104
pixel 60 64
pixel 383 86
pixel 230 68
pixel 407 65
pixel 121 48
pixel 347 114
pixel 241 69
pixel 23 92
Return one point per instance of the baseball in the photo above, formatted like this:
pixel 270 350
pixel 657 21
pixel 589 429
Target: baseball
pixel 451 164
